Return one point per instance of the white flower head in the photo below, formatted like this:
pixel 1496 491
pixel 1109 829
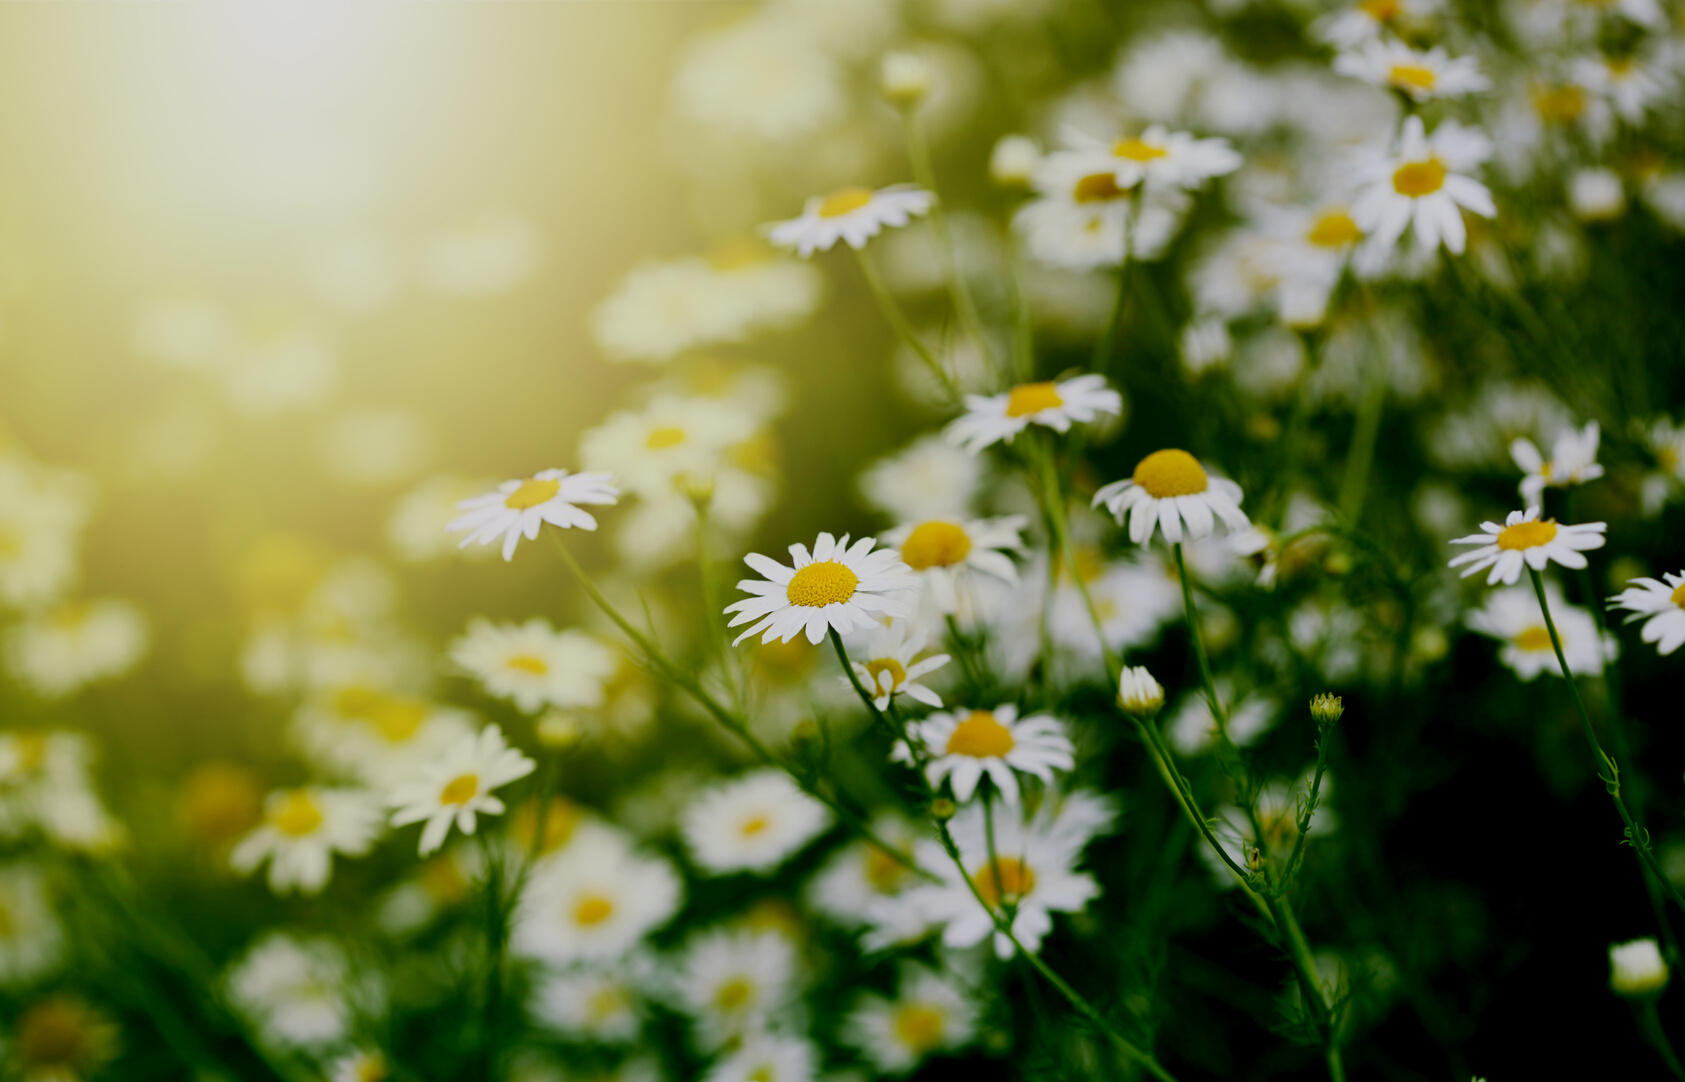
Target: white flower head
pixel 1637 968
pixel 1368 19
pixel 891 665
pixel 599 1005
pixel 301 831
pixel 731 983
pixel 1160 158
pixel 458 786
pixel 1423 183
pixel 1419 74
pixel 594 901
pixel 1525 540
pixel 1661 605
pixel 946 552
pixel 1138 692
pixel 1572 461
pixel 856 878
pixel 364 1065
pixel 31 938
pixel 834 587
pixel 1083 218
pixel 989 419
pixel 752 823
pixel 1170 488
pixel 929 1015
pixel 1512 616
pixel 852 215
pixel 966 745
pixel 58 651
pixel 770 1056
pixel 522 507
pixel 927 478
pixel 297 990
pixel 535 665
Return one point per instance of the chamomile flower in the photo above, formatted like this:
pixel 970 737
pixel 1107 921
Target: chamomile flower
pixel 535 665
pixel 31 939
pixel 1082 218
pixel 853 215
pixel 301 831
pixel 601 1006
pixel 297 991
pixel 1160 158
pixel 768 1057
pixel 891 666
pixel 928 477
pixel 523 507
pixel 1170 488
pixel 731 983
pixel 752 823
pixel 1661 605
pixel 1572 461
pixel 1524 539
pixel 62 1038
pixel 855 879
pixel 834 587
pixel 945 552
pixel 46 784
pixel 929 1015
pixel 61 650
pixel 365 1065
pixel 1418 74
pixel 964 746
pixel 1368 19
pixel 1423 182
pixel 458 786
pixel 989 419
pixel 376 736
pixel 1512 617
pixel 594 901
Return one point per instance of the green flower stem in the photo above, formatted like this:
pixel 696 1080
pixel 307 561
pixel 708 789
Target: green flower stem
pixel 1610 773
pixel 1354 483
pixel 1106 344
pixel 1306 813
pixel 1650 1025
pixel 1217 711
pixel 898 320
pixel 497 937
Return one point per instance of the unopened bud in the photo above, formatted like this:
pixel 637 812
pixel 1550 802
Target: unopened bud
pixel 1013 160
pixel 696 489
pixel 556 730
pixel 1326 709
pixel 1637 969
pixel 942 809
pixel 1254 858
pixel 904 77
pixel 1138 693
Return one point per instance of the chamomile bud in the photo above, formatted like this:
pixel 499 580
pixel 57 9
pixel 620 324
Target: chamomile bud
pixel 904 78
pixel 1138 693
pixel 1326 709
pixel 1013 160
pixel 942 809
pixel 1637 969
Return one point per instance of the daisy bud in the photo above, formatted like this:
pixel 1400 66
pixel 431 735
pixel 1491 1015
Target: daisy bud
pixel 698 490
pixel 1326 709
pixel 1637 969
pixel 1138 693
pixel 1014 158
pixel 942 809
pixel 904 77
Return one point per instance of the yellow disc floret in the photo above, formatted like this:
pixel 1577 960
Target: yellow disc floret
pixel 981 737
pixel 1382 11
pixel 935 544
pixel 1030 398
pixel 1006 877
pixel 1137 151
pixel 460 789
pixel 1333 229
pixel 826 582
pixel 667 436
pixel 1527 535
pixel 1679 595
pixel 843 200
pixel 919 1026
pixel 1416 179
pixel 295 814
pixel 1097 188
pixel 878 666
pixel 1413 77
pixel 528 663
pixel 733 994
pixel 532 493
pixel 592 909
pixel 883 871
pixel 1534 638
pixel 1170 472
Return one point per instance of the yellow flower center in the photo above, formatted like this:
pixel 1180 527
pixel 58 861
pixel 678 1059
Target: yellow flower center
pixel 1029 398
pixel 1534 638
pixel 60 1038
pixel 532 493
pixel 1559 104
pixel 296 814
pixel 733 994
pixel 754 825
pixel 1621 66
pixel 1526 535
pixel 460 789
pixel 606 1002
pixel 843 200
pixel 897 672
pixel 561 816
pixel 1334 229
pixel 1382 11
pixel 819 584
pixel 1006 877
pixel 443 881
pixel 884 872
pixel 981 737
pixel 592 909
pixel 1097 188
pixel 1416 179
pixel 1137 151
pixel 528 663
pixel 397 720
pixel 664 437
pixel 31 751
pixel 1170 472
pixel 919 1026
pixel 373 1069
pixel 935 544
pixel 1413 77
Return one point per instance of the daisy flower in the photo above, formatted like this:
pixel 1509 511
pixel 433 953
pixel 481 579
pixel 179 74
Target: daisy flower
pixel 730 983
pixel 1082 218
pixel 524 506
pixel 889 668
pixel 964 746
pixel 1423 182
pixel 768 1057
pixel 1512 617
pixel 930 1015
pixel 61 1038
pixel 458 785
pixel 1367 19
pixel 31 938
pixel 536 665
pixel 366 1065
pixel 751 823
pixel 853 215
pixel 297 990
pixel 927 477
pixel 1169 488
pixel 1524 539
pixel 595 901
pixel 990 419
pixel 1663 603
pixel 1573 461
pixel 301 831
pixel 1421 75
pixel 61 650
pixel 1160 157
pixel 860 875
pixel 834 587
pixel 945 551
pixel 601 1006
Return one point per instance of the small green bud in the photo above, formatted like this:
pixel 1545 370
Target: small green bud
pixel 942 809
pixel 1326 709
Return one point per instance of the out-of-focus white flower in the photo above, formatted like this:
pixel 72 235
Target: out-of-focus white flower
pixel 301 831
pixel 373 735
pixel 966 745
pixel 46 785
pixel 836 587
pixel 1014 159
pixel 752 823
pixel 945 553
pixel 287 369
pixel 1596 195
pixel 376 446
pixel 1422 183
pixel 417 527
pixel 1205 343
pixel 904 76
pixel 31 939
pixel 365 1065
pixel 1573 461
pixel 1368 19
pixel 989 419
pixel 771 1056
pixel 1167 489
pixel 183 332
pixel 760 78
pixel 492 253
pixel 1524 539
pixel 1512 617
pixel 659 311
pixel 1159 157
pixel 458 786
pixel 298 991
pixel 1661 605
pixel 1275 814
pixel 42 513
pixel 732 984
pixel 594 901
pixel 523 507
pixel 1422 75
pixel 857 879
pixel 1192 727
pixel 929 477
pixel 1083 218
pixel 1631 84
pixel 61 650
pixel 535 665
pixel 930 1014
pixel 1138 692
pixel 600 1006
pixel 1133 601
pixel 1637 968
pixel 670 442
pixel 853 215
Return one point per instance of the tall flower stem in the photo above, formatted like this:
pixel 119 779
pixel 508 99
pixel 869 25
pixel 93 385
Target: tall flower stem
pixel 1355 481
pixel 1650 1025
pixel 1609 772
pixel 898 320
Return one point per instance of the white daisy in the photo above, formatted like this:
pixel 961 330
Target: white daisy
pixel 888 667
pixel 1133 601
pixel 853 880
pixel 375 736
pixel 1661 605
pixel 1421 75
pixel 1423 182
pixel 1512 617
pixel 990 419
pixel 594 901
pixel 854 215
pixel 600 1006
pixel 930 1015
pixel 296 990
pixel 535 665
pixel 835 587
pixel 61 650
pixel 732 983
pixel 1169 488
pixel 1191 728
pixel 366 1065
pixel 966 745
pixel 768 1057
pixel 944 552
pixel 46 784
pixel 751 823
pixel 1630 83
pixel 1573 461
pixel 458 785
pixel 1083 219
pixel 672 439
pixel 1524 539
pixel 1666 442
pixel 302 829
pixel 524 506
pixel 1276 811
pixel 1368 19
pixel 31 939
pixel 1160 157
pixel 928 477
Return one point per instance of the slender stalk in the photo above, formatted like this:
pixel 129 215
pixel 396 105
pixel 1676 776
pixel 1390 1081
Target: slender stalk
pixel 1650 1024
pixel 1306 814
pixel 1053 505
pixel 1106 345
pixel 1217 711
pixel 1355 481
pixel 898 320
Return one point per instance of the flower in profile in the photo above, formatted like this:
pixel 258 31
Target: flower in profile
pixel 1525 539
pixel 1138 693
pixel 458 786
pixel 1512 617
pixel 62 1039
pixel 929 1015
pixel 1572 461
pixel 1661 605
pixel 31 939
pixel 731 983
pixel 891 666
pixel 1167 489
pixel 751 823
pixel 966 745
pixel 1637 968
pixel 1419 74
pixel 301 831
pixel 523 507
pixel 1423 183
pixel 594 901
pixel 853 215
pixel 535 665
pixel 945 552
pixel 834 587
pixel 990 419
